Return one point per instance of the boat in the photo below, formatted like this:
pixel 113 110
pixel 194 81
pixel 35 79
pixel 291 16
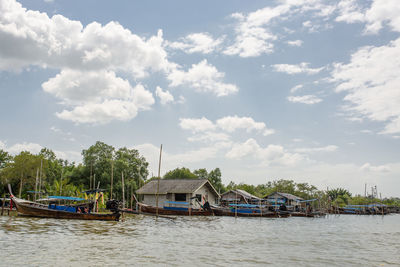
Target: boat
pixel 174 208
pixel 35 209
pixel 247 210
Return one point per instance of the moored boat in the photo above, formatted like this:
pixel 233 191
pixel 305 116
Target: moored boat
pixel 181 211
pixel 248 210
pixel 34 209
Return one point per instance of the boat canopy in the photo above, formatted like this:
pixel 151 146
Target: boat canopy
pixel 308 200
pixel 52 198
pixel 244 205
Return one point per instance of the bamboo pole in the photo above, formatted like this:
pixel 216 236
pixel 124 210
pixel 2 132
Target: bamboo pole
pixel 236 203
pixel 2 206
pixel 62 173
pixel 40 177
pixel 90 178
pixel 158 180
pixel 112 178
pixel 36 181
pixel 131 197
pixel 20 187
pixel 123 190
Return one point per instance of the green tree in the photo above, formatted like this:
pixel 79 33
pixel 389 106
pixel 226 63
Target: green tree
pixel 215 179
pixel 4 158
pixel 201 173
pixel 97 160
pixel 180 173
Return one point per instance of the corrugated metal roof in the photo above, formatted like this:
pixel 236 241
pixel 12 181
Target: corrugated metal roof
pixel 286 195
pixel 243 193
pixel 173 186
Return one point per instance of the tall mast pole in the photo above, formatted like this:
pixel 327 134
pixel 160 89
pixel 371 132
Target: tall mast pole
pixel 158 180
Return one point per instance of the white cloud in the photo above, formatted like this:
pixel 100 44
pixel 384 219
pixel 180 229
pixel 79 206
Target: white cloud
pixel 2 145
pixel 295 43
pixel 197 43
pixel 32 38
pixel 296 69
pixel 383 11
pixel 97 97
pixel 197 125
pixel 204 77
pixel 25 146
pixel 253 39
pixel 210 137
pixel 296 88
pixel 371 83
pixel 270 155
pixel 89 58
pixel 350 11
pixel 305 99
pixel 379 14
pixel 367 167
pixel 330 148
pixel 165 96
pixel 232 123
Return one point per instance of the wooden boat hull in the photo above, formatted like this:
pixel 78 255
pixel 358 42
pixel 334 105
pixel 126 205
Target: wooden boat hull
pixel 267 214
pixel 153 210
pixel 303 214
pixel 33 209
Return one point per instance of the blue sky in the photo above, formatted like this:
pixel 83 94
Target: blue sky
pixel 264 90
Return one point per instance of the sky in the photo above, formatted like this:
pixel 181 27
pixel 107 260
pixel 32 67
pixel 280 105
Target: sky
pixel 307 90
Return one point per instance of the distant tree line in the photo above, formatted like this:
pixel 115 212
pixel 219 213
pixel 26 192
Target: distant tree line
pixel 103 166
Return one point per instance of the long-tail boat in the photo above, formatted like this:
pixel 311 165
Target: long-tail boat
pixel 168 210
pixel 248 210
pixel 34 209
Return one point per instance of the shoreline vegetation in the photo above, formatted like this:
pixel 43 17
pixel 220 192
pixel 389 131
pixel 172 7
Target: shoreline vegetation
pixel 103 166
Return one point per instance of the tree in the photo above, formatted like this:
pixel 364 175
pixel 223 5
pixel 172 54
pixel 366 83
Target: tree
pixel 4 158
pixel 97 160
pixel 201 173
pixel 180 173
pixel 215 179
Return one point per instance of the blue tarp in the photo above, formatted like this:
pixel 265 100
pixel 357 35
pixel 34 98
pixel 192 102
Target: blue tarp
pixel 66 198
pixel 63 208
pixel 176 202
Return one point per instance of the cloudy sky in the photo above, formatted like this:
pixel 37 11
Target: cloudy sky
pixel 307 90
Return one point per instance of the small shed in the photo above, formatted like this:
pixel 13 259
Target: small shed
pixel 239 196
pixel 185 191
pixel 279 198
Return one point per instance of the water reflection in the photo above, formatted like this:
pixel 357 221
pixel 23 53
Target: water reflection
pixel 218 241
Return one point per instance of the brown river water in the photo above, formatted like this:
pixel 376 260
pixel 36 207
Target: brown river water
pixel 336 240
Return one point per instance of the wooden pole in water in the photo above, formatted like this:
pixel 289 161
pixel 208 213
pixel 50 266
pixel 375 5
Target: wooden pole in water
pixel 36 181
pixel 236 203
pixel 112 178
pixel 20 187
pixel 2 206
pixel 158 180
pixel 260 209
pixel 90 177
pixel 62 173
pixel 131 197
pixel 40 177
pixel 123 190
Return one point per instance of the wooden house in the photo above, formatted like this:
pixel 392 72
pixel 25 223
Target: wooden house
pixel 279 198
pixel 178 191
pixel 238 196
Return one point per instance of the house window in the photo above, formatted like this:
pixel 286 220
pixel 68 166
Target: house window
pixel 198 196
pixel 180 197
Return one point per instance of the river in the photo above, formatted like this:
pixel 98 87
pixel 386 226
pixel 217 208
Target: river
pixel 336 240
